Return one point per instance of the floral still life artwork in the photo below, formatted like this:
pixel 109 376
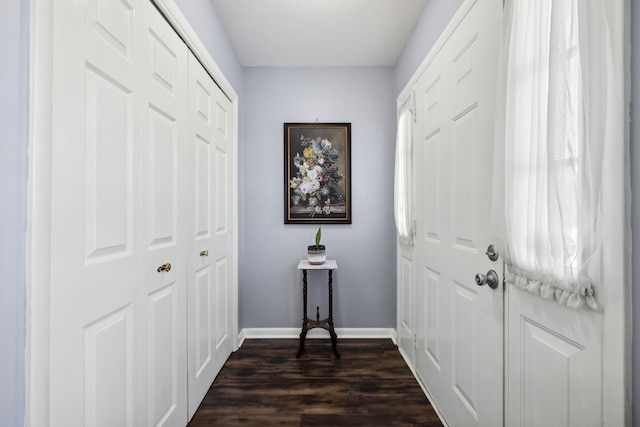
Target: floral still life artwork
pixel 317 173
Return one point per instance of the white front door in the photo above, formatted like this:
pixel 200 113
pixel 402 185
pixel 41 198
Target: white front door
pixel 459 325
pixel 554 363
pixel 406 303
pixel 211 257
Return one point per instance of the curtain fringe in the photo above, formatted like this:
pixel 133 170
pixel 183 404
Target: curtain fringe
pixel 572 295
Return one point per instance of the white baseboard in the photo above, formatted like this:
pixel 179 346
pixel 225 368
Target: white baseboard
pixel 294 333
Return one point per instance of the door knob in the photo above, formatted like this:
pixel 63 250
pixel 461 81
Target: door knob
pixel 491 279
pixel 204 253
pixel 164 267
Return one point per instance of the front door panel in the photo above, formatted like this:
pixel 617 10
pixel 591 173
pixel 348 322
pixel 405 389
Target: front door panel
pixel 460 324
pixel 555 358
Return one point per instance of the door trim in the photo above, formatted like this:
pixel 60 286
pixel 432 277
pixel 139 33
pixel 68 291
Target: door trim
pixel 39 228
pixel 617 310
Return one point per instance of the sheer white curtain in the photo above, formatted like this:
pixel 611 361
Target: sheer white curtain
pixel 402 180
pixel 557 74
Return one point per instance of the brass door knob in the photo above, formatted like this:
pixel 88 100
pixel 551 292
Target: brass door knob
pixel 164 267
pixel 204 253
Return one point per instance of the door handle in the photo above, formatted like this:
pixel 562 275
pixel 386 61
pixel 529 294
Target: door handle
pixel 164 267
pixel 491 279
pixel 204 253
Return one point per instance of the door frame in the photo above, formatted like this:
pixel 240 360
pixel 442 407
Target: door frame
pixel 616 296
pixel 39 227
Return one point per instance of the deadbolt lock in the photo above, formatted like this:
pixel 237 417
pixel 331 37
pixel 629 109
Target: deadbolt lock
pixel 492 253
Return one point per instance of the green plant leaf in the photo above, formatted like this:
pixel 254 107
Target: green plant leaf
pixel 318 236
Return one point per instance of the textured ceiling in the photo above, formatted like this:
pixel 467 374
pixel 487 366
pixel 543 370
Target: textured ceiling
pixel 319 33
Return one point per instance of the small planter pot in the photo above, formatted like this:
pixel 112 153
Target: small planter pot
pixel 316 254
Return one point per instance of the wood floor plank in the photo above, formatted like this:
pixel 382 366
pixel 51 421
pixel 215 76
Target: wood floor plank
pixel 264 384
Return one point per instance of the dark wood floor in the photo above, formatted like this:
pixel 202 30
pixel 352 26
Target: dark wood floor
pixel 264 384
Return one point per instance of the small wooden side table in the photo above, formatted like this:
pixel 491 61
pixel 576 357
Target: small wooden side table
pixel 327 323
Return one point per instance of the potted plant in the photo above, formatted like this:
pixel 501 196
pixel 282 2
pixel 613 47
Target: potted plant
pixel 316 253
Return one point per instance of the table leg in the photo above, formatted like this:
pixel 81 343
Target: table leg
pixel 303 333
pixel 332 332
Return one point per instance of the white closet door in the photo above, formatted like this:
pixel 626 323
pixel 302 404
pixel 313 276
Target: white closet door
pixel 222 227
pixel 118 326
pixel 210 275
pixel 166 203
pixel 95 304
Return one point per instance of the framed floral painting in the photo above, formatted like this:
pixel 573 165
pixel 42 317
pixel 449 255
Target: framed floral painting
pixel 317 177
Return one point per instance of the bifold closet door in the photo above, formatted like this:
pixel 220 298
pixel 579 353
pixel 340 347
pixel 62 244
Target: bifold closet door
pixel 166 204
pixel 117 348
pixel 210 275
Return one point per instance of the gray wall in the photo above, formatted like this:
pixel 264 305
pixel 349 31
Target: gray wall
pixel 269 291
pixel 14 80
pixel 635 186
pixel 364 285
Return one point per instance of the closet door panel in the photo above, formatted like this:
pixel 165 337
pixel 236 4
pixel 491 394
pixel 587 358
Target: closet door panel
pixel 95 341
pixel 141 220
pixel 210 341
pixel 165 399
pixel 222 238
pixel 108 162
pixel 165 203
pixel 221 332
pixel 200 334
pixel 161 178
pixel 201 278
pixel 203 186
